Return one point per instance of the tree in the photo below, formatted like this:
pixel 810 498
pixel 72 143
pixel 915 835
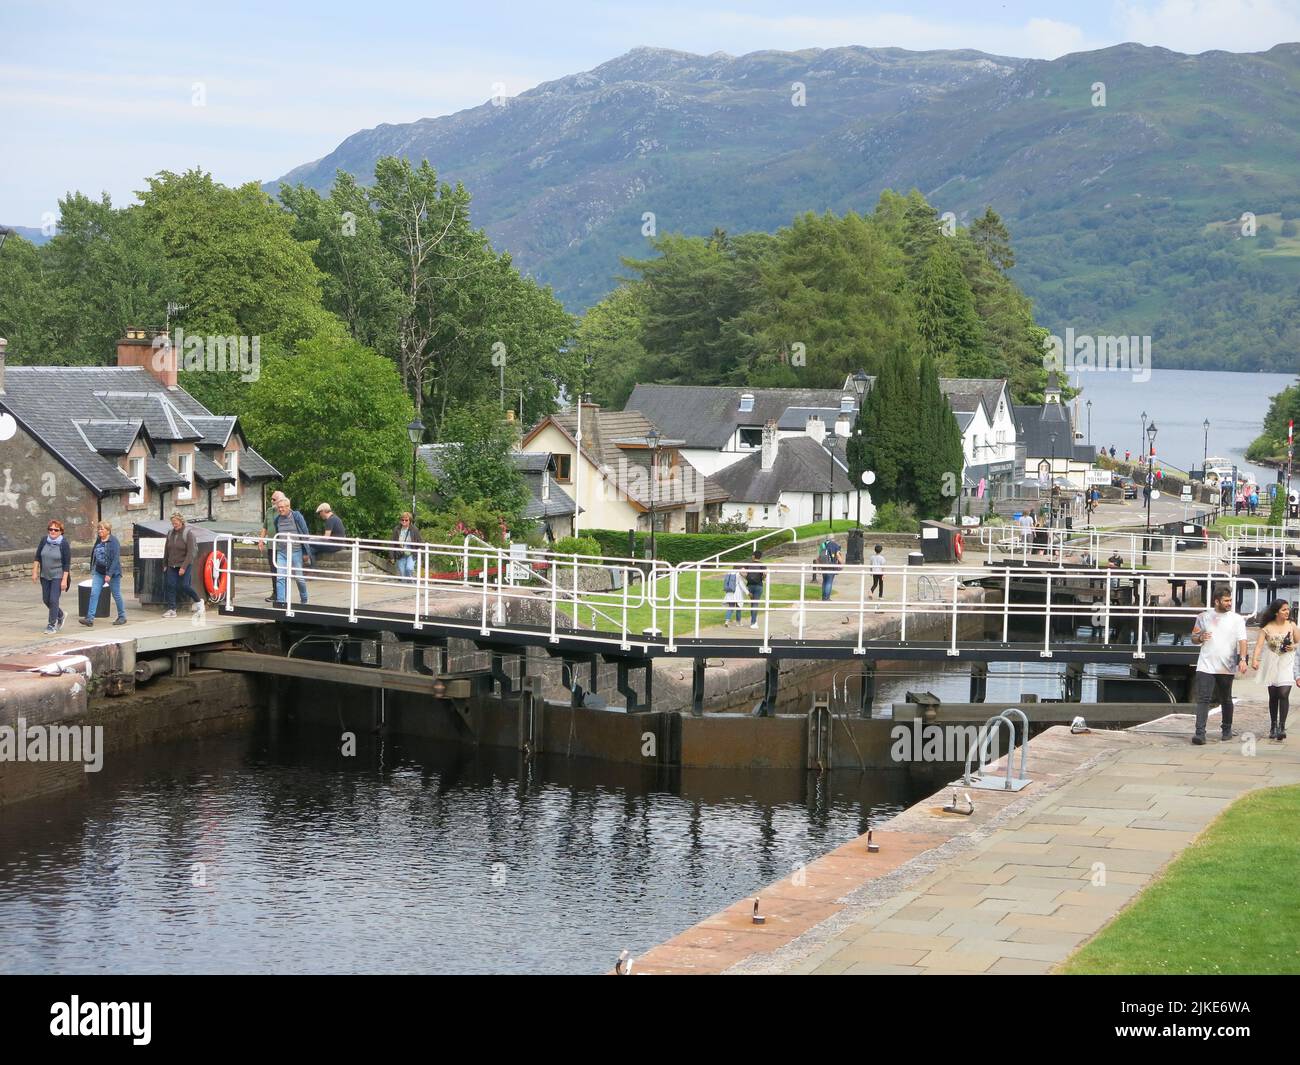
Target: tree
pixel 480 470
pixel 332 418
pixel 937 457
pixel 611 357
pixel 993 239
pixel 888 424
pixel 945 316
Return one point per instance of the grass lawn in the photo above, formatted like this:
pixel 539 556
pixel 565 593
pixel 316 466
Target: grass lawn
pixel 1226 905
pixel 640 618
pixel 1224 522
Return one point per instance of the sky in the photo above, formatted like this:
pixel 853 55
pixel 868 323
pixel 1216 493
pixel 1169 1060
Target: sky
pixel 96 96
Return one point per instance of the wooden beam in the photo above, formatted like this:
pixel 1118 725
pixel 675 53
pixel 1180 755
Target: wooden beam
pixel 361 676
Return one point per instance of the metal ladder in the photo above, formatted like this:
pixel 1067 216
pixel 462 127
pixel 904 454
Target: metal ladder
pixel 986 734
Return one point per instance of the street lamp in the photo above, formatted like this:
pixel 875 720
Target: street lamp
pixel 415 433
pixel 1142 439
pixel 652 439
pixel 1205 451
pixel 1151 483
pixel 860 381
pixel 830 485
pixel 1089 425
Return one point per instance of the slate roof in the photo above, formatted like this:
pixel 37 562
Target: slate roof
pixel 796 418
pixel 706 416
pixel 252 467
pixel 802 465
pixel 531 465
pixel 215 429
pixel 208 472
pixel 629 467
pixel 965 393
pixel 161 475
pixel 1039 424
pixel 111 436
pixel 82 414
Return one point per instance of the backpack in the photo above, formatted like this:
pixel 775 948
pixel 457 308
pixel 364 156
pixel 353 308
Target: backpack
pixel 729 582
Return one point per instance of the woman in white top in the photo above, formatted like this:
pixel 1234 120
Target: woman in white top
pixel 1275 661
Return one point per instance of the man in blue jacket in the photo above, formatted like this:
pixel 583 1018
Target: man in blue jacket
pixel 290 551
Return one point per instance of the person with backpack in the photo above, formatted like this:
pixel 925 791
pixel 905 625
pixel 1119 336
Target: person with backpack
pixel 732 594
pixel 828 563
pixel 755 575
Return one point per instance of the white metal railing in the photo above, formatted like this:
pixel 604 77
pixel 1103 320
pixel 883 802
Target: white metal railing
pixel 1277 546
pixel 483 589
pixel 1159 552
pixel 752 545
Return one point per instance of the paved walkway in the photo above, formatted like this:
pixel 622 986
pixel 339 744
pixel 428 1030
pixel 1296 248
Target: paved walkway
pixel 1014 889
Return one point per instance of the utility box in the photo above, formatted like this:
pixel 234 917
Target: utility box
pixel 941 542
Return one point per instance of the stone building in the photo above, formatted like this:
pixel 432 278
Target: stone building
pixel 119 444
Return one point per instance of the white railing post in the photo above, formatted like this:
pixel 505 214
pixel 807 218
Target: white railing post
pixel 803 584
pixel 902 635
pixel 767 614
pixel 1047 621
pixel 1006 607
pixel 956 584
pixel 627 584
pixel 1141 616
pixel 862 608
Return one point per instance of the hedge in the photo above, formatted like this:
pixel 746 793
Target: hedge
pixel 674 547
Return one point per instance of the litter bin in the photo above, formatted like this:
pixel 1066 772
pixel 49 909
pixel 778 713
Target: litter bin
pixel 915 558
pixel 941 542
pixel 83 599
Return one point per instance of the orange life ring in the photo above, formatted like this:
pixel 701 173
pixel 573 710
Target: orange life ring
pixel 214 575
pixel 958 546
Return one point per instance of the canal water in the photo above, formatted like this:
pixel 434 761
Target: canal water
pixel 268 852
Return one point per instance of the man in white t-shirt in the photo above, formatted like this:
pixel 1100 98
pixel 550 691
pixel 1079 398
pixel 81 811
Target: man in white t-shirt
pixel 878 572
pixel 1221 633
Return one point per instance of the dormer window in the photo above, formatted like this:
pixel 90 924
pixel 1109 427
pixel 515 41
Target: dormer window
pixel 546 484
pixel 746 402
pixel 846 404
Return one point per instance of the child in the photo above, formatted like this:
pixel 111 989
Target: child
pixel 731 598
pixel 878 572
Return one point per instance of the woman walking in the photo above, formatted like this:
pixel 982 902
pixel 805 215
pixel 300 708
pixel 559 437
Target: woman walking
pixel 408 536
pixel 53 568
pixel 105 568
pixel 180 551
pixel 1275 662
pixel 732 594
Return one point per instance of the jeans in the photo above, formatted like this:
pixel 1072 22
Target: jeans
pixel 270 564
pixel 284 563
pixel 828 579
pixel 1213 688
pixel 732 608
pixel 50 592
pixel 174 583
pixel 406 565
pixel 755 597
pixel 878 585
pixel 115 588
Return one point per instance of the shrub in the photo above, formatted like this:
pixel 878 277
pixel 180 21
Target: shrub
pixel 895 517
pixel 577 545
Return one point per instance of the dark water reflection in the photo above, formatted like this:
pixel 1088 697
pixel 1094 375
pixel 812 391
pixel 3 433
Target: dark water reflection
pixel 409 857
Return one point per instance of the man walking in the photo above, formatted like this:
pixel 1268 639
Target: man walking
pixel 1221 634
pixel 829 563
pixel 754 577
pixel 290 527
pixel 268 529
pixel 334 530
pixel 179 554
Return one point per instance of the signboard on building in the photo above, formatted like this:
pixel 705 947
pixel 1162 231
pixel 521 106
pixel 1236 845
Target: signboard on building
pixel 1044 473
pixel 152 546
pixel 1096 477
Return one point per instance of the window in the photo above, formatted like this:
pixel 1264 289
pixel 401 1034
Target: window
pixel 751 438
pixel 746 402
pixel 563 471
pixel 136 473
pixel 817 506
pixel 546 484
pixel 185 467
pixel 232 468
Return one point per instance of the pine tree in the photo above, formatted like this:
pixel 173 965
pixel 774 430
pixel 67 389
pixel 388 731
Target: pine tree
pixel 938 460
pixel 889 432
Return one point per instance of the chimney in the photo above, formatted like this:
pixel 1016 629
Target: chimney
pixel 770 445
pixel 154 352
pixel 3 345
pixel 816 428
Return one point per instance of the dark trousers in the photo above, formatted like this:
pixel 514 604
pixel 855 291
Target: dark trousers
pixel 1279 699
pixel 270 561
pixel 878 585
pixel 1213 689
pixel 755 597
pixel 50 592
pixel 177 583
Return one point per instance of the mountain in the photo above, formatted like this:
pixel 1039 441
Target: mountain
pixel 31 233
pixel 1125 212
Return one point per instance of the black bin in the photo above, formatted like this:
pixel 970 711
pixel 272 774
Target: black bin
pixel 939 541
pixel 83 599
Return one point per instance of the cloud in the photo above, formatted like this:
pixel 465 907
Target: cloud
pixel 1195 26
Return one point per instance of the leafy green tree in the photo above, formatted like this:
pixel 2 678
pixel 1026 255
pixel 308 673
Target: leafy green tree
pixel 611 357
pixel 945 316
pixel 889 432
pixel 993 239
pixel 936 449
pixel 332 418
pixel 480 470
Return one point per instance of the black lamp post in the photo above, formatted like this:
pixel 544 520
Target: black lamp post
pixel 415 432
pixel 1205 451
pixel 652 439
pixel 1089 425
pixel 830 485
pixel 1142 440
pixel 860 382
pixel 1151 482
